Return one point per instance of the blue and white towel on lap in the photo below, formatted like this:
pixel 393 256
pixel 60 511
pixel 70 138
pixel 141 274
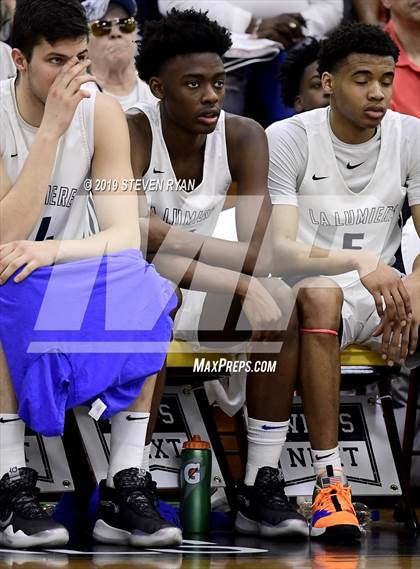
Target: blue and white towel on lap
pixel 79 331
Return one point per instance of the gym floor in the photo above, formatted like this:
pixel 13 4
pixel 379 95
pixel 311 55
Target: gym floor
pixel 386 545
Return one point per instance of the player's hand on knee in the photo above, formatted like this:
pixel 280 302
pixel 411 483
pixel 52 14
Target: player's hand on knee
pixel 28 254
pixel 64 95
pixel 262 311
pixel 383 282
pixel 398 341
pixel 393 336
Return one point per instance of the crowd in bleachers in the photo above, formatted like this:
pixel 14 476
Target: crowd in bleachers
pixel 253 83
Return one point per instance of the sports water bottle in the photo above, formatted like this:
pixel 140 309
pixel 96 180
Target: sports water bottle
pixel 195 486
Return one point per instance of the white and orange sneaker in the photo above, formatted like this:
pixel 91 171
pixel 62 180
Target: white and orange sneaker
pixel 333 514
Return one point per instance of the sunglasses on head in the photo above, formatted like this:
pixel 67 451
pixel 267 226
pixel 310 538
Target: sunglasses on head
pixel 101 28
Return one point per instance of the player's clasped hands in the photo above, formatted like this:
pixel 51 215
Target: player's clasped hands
pixel 28 254
pixel 64 96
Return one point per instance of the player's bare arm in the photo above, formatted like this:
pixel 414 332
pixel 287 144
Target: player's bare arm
pixel 248 162
pixel 258 305
pixel 116 208
pixel 21 203
pixel 178 263
pixel 293 258
pixel 415 212
pixel 115 202
pixel 140 152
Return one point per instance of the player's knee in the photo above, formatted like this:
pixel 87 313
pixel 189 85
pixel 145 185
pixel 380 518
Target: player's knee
pixel 319 303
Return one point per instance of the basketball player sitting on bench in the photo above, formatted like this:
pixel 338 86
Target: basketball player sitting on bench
pixel 187 152
pixel 54 134
pixel 338 178
pixel 300 81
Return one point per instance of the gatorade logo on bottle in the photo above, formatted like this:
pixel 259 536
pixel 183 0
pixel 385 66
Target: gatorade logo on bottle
pixel 192 473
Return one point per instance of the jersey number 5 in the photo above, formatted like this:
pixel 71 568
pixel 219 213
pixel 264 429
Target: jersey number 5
pixel 348 239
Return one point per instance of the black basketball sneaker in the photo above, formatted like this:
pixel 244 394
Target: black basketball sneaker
pixel 128 513
pixel 23 521
pixel 264 509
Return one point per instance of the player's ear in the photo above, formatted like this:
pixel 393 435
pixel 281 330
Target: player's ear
pixel 19 59
pixel 298 104
pixel 327 82
pixel 157 87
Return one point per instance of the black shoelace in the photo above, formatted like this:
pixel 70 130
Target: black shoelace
pixel 272 492
pixel 24 500
pixel 143 496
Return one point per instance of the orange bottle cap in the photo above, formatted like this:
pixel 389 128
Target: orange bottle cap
pixel 196 442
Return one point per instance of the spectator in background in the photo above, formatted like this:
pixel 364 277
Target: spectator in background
pixel 369 12
pixel 254 90
pixel 112 50
pixel 301 83
pixel 7 67
pixel 7 9
pixel 281 21
pixel 404 29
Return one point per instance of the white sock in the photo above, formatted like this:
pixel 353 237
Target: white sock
pixel 128 434
pixel 328 458
pixel 12 443
pixel 145 464
pixel 265 443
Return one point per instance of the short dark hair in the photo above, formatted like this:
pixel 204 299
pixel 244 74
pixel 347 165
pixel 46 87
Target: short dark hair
pixel 51 20
pixel 354 38
pixel 179 33
pixel 291 71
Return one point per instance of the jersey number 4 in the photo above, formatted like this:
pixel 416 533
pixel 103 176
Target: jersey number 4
pixel 43 230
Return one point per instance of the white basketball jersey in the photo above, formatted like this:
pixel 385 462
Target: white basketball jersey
pixel 180 202
pixel 333 217
pixel 65 207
